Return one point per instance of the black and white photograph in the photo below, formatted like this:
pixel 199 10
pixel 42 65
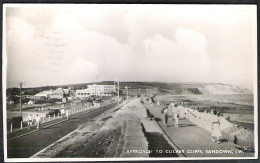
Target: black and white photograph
pixel 104 82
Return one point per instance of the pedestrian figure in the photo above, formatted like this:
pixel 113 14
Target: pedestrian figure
pixel 212 112
pixel 29 121
pixel 216 134
pixel 37 122
pixel 67 114
pixel 165 115
pixel 62 112
pixel 158 103
pixel 141 100
pixel 205 116
pixel 205 112
pixel 171 110
pixel 176 116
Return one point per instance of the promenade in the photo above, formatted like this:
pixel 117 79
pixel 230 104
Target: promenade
pixel 194 140
pixel 136 132
pixel 138 136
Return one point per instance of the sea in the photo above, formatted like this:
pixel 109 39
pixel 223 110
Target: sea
pixel 242 99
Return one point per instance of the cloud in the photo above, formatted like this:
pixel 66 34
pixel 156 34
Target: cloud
pixel 39 17
pixel 77 44
pixel 79 70
pixel 191 38
pixel 167 60
pixel 106 20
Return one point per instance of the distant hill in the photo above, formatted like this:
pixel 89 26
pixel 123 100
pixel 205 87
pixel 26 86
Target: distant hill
pixel 177 88
pixel 160 87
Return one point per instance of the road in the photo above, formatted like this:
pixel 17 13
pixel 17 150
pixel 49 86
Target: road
pixel 27 146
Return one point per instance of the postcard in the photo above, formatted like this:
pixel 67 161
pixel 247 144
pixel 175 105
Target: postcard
pixel 103 82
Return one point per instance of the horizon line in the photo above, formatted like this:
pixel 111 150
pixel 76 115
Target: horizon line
pixel 62 85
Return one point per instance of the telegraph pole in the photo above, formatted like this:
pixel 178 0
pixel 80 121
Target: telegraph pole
pixel 127 91
pixel 21 85
pixel 118 93
pixel 127 94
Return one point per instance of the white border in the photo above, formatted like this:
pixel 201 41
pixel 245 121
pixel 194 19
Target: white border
pixel 255 86
pixel 4 73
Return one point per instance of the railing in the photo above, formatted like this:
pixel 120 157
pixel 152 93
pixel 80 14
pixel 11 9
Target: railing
pixel 44 120
pixel 229 131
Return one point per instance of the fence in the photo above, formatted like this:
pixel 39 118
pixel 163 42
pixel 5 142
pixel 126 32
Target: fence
pixel 229 131
pixel 46 119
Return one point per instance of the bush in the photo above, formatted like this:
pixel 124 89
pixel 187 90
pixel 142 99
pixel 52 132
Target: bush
pixel 42 101
pixel 16 99
pixel 16 121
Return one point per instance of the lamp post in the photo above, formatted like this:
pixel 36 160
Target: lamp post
pixel 117 92
pixel 21 84
pixel 127 91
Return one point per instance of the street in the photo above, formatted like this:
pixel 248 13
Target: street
pixel 26 146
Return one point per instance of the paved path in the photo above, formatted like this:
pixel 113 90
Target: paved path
pixel 26 146
pixel 189 137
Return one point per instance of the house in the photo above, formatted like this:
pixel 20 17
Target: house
pixel 72 93
pixel 11 102
pixel 30 102
pixel 82 93
pixel 44 94
pixel 66 92
pixel 58 93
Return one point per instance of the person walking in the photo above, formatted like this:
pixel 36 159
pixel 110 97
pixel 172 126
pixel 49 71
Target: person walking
pixel 62 112
pixel 165 115
pixel 205 117
pixel 67 114
pixel 215 126
pixel 141 100
pixel 176 116
pixel 29 121
pixel 158 103
pixel 37 121
pixel 171 110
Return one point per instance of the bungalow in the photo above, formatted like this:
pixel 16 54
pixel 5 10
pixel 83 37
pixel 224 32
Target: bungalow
pixel 58 93
pixel 30 102
pixel 82 93
pixel 44 94
pixel 10 102
pixel 66 91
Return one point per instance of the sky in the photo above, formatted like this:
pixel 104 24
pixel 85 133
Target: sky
pixel 70 44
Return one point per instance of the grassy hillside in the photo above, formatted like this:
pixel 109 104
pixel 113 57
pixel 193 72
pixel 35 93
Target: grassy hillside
pixel 159 87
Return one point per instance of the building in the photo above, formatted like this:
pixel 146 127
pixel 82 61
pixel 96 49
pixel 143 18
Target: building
pixel 60 93
pixel 102 90
pixel 66 91
pixel 72 93
pixel 44 94
pixel 10 102
pixel 30 102
pixel 82 93
pixel 97 90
